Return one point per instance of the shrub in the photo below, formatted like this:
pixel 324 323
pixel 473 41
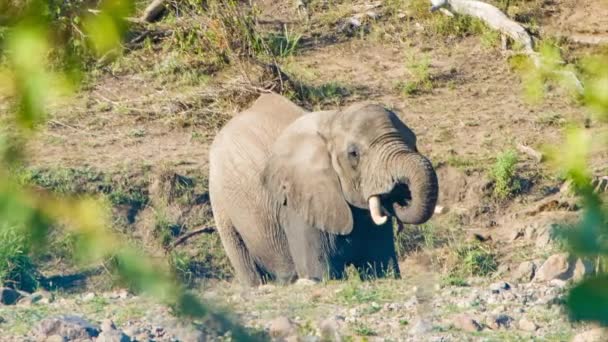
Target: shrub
pixel 503 174
pixel 16 267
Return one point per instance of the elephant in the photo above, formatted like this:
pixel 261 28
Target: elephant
pixel 303 195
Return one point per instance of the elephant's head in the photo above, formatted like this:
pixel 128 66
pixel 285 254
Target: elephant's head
pixel 363 156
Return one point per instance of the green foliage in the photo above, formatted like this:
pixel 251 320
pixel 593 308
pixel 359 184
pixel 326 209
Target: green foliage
pixel 29 79
pixel 454 280
pixel 16 268
pixel 503 174
pixel 421 80
pixel 588 299
pixel 284 44
pixel 363 330
pixel 473 259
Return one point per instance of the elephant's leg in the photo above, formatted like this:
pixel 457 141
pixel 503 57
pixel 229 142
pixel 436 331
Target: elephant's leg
pixel 308 247
pixel 245 268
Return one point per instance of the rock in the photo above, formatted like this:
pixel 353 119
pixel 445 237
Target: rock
pixel 68 327
pixel 466 323
pixel 9 296
pixel 556 266
pixel 88 297
pixel 593 335
pixel 526 325
pixel 281 327
pixel 504 321
pixel 54 338
pixel 422 326
pixel 582 268
pixel 113 336
pixel 516 234
pixel 564 267
pixel 306 282
pixel 500 287
pixel 544 237
pixel 525 271
pixel 499 321
pixel 107 325
pixel 330 328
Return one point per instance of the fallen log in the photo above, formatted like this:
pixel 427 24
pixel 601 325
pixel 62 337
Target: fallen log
pixel 154 11
pixel 497 20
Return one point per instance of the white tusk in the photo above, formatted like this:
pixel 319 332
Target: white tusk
pixel 376 210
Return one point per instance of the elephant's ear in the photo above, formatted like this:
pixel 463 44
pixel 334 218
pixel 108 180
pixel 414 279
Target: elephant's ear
pixel 299 175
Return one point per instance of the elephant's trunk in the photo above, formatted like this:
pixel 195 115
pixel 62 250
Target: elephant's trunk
pixel 417 172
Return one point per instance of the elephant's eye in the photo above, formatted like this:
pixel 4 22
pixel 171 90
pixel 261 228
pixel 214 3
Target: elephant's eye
pixel 353 154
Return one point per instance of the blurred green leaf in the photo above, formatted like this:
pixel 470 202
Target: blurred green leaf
pixel 588 300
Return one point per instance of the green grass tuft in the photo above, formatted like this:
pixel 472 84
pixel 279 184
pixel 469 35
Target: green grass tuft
pixel 503 174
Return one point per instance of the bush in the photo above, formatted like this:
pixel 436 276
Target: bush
pixel 503 174
pixel 16 267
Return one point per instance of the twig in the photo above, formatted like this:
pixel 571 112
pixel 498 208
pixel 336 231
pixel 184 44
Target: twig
pixel 183 238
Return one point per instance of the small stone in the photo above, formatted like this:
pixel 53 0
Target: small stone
pixel 525 271
pixel 330 328
pixel 504 321
pixel 9 296
pixel 560 284
pixel 593 335
pixel 440 210
pixel 2 319
pixel 527 325
pixel 113 336
pixel 88 297
pixel 306 282
pixel 556 266
pixel 500 287
pixel 68 327
pixel 421 326
pixel 466 323
pixel 54 338
pixel 107 325
pixel 281 327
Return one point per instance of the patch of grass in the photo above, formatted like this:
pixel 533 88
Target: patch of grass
pixel 363 330
pixel 16 267
pixel 421 236
pixel 454 280
pixel 460 162
pixel 421 79
pixel 207 260
pixel 550 120
pixel 473 259
pixel 503 174
pixel 283 44
pixel 329 93
pixel 355 291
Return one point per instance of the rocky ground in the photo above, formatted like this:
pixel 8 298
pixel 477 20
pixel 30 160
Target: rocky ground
pixel 487 267
pixel 416 308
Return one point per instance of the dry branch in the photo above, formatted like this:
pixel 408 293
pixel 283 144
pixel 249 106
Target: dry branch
pixel 497 20
pixel 183 238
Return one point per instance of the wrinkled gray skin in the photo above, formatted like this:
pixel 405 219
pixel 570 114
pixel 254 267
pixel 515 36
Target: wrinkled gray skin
pixel 290 190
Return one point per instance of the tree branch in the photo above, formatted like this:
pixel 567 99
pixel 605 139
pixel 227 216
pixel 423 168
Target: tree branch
pixel 497 20
pixel 185 237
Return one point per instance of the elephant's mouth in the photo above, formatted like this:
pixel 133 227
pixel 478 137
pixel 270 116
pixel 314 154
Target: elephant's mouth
pixel 385 205
pixel 397 199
